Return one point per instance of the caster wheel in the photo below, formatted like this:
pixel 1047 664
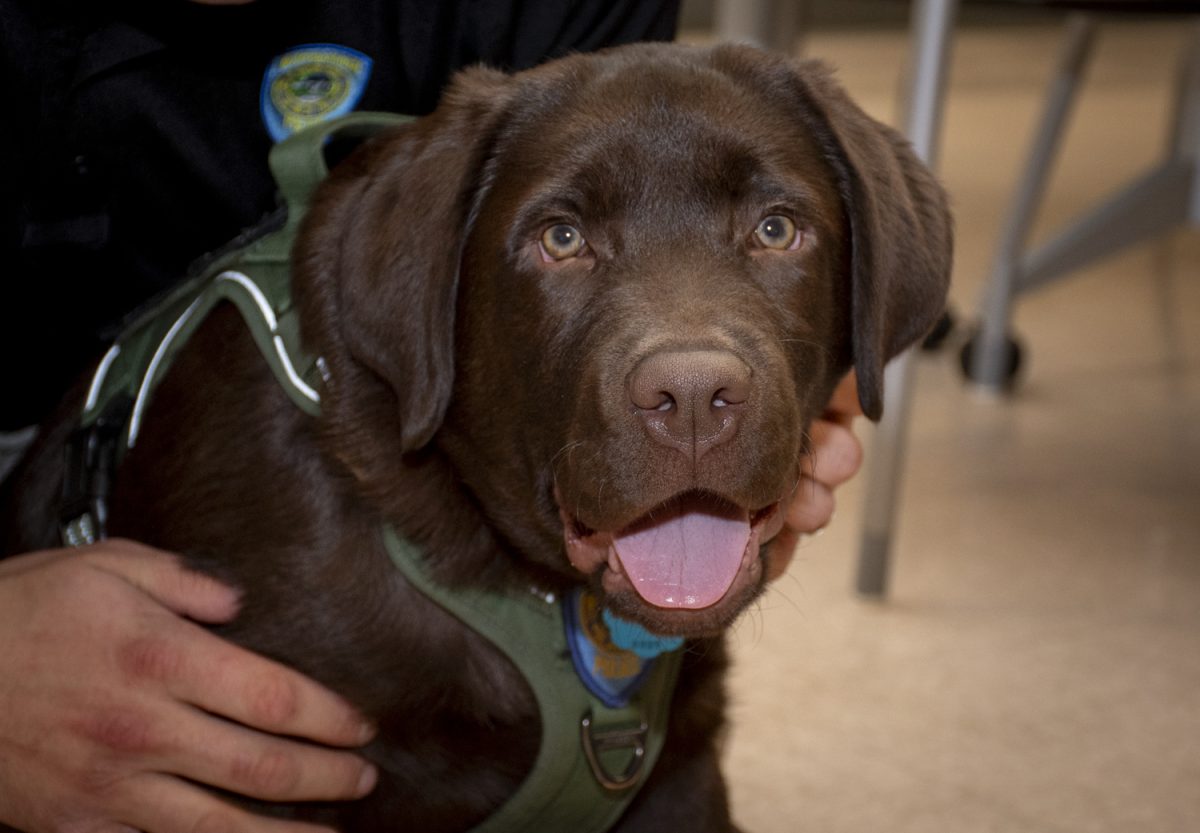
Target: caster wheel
pixel 940 332
pixel 1009 365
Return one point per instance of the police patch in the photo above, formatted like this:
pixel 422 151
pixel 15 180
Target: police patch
pixel 310 84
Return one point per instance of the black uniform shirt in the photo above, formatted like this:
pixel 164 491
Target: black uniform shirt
pixel 135 138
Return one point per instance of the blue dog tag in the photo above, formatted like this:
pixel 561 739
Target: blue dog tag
pixel 611 656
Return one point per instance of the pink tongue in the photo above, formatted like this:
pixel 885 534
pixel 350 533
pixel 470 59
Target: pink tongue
pixel 687 554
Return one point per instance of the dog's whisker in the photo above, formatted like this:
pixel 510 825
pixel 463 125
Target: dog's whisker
pixel 566 449
pixel 752 618
pixel 807 452
pixel 781 591
pixel 600 495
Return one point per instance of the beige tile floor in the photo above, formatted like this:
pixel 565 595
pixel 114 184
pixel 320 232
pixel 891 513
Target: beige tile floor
pixel 1037 665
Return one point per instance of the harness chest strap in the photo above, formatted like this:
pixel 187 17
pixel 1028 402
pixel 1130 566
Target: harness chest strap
pixel 565 791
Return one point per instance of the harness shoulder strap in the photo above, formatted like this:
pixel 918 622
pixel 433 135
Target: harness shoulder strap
pixel 298 162
pixel 253 273
pixel 258 276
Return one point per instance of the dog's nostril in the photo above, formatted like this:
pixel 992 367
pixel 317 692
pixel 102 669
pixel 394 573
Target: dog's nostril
pixel 686 397
pixel 651 392
pixel 727 396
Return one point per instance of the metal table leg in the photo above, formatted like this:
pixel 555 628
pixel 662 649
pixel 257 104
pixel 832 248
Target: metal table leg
pixel 932 26
pixel 989 361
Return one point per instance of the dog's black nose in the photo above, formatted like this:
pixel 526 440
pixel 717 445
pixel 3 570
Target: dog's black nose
pixel 690 400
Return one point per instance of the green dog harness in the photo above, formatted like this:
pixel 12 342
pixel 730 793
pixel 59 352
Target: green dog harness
pixel 592 757
pixel 597 747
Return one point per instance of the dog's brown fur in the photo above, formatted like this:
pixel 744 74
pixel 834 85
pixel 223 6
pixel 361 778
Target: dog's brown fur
pixel 478 393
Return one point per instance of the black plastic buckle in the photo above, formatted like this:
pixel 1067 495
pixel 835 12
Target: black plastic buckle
pixel 595 743
pixel 90 466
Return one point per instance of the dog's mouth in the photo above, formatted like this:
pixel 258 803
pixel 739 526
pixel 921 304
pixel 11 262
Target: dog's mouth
pixel 694 552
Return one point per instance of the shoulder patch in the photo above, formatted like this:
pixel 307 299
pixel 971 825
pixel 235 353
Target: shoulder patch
pixel 310 84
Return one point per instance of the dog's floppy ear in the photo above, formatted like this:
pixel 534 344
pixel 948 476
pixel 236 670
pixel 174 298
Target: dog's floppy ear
pixel 380 250
pixel 900 226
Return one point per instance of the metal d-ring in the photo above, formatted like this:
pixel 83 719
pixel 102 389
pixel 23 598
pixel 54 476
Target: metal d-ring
pixel 596 742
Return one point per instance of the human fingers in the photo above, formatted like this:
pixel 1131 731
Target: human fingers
pixel 835 454
pixel 167 805
pixel 252 764
pixel 163 577
pixel 809 511
pixel 780 552
pixel 196 667
pixel 180 740
pixel 216 675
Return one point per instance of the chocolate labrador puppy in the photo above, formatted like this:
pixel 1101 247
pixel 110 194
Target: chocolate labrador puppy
pixel 575 324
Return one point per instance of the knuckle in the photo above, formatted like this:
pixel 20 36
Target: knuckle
pixel 150 658
pixel 274 701
pixel 124 731
pixel 99 785
pixel 100 779
pixel 267 775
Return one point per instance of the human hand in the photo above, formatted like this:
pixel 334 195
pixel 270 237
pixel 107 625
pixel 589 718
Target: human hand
pixel 835 455
pixel 114 707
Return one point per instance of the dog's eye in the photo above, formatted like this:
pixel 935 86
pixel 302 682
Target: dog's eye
pixel 560 242
pixel 778 232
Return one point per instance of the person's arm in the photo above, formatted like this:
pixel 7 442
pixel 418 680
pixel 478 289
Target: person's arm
pixel 115 704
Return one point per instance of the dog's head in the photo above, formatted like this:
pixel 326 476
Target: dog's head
pixel 614 291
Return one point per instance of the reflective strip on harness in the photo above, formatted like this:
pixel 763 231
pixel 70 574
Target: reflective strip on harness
pixel 281 350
